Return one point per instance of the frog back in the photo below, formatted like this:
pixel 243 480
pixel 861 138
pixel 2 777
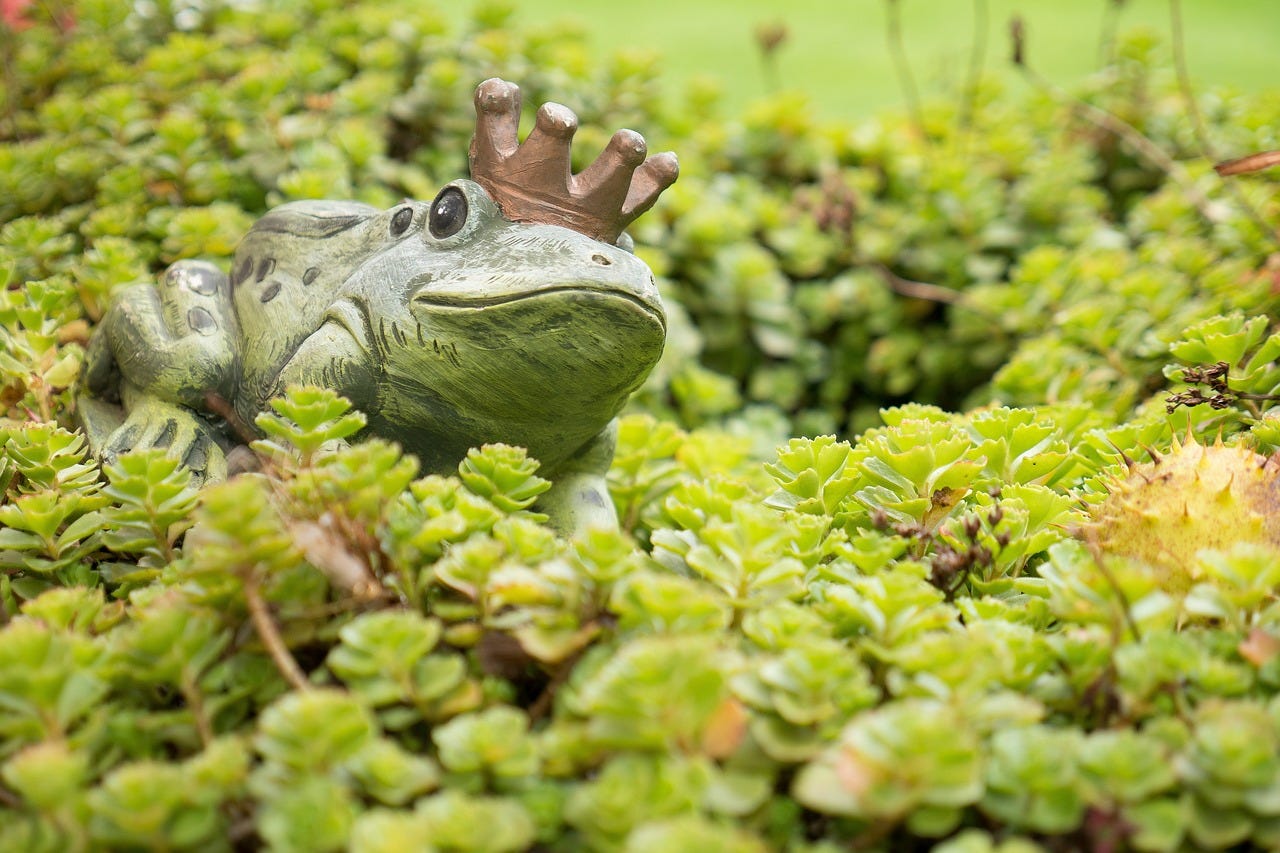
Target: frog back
pixel 288 270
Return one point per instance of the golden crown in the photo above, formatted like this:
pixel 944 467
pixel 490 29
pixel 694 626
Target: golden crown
pixel 534 181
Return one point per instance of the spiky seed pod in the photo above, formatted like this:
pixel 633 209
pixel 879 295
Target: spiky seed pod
pixel 1195 496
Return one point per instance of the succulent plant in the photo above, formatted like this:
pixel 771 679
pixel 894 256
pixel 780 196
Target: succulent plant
pixel 879 636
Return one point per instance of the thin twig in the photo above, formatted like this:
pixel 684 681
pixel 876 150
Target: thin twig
pixel 919 289
pixel 1184 80
pixel 1107 36
pixel 977 58
pixel 874 835
pixel 11 91
pixel 543 704
pixel 222 407
pixel 931 292
pixel 1118 127
pixel 60 22
pixel 1197 119
pixel 10 799
pixel 1251 163
pixel 1095 551
pixel 195 701
pixel 242 830
pixel 769 37
pixel 271 639
pixel 893 20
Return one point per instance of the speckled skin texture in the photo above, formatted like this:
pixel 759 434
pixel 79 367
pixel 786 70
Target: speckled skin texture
pixel 448 325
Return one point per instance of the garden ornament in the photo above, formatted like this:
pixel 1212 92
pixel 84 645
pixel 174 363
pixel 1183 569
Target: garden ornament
pixel 506 310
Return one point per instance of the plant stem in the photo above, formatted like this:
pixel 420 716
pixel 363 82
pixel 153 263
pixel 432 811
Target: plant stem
pixel 933 293
pixel 977 57
pixel 919 289
pixel 161 535
pixel 893 20
pixel 10 800
pixel 195 701
pixel 1250 163
pixel 1095 551
pixel 8 47
pixel 271 639
pixel 542 705
pixel 1139 142
pixel 1197 119
pixel 1184 79
pixel 1107 37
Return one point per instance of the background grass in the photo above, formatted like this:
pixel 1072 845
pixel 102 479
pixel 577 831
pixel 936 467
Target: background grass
pixel 837 52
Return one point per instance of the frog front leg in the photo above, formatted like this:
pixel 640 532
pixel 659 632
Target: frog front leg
pixel 340 356
pixel 579 495
pixel 158 353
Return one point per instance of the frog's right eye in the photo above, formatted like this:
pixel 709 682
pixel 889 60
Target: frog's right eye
pixel 448 213
pixel 401 220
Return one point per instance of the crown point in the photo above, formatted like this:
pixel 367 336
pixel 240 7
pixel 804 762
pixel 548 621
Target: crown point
pixel 666 167
pixel 629 146
pixel 556 120
pixel 497 95
pixel 650 179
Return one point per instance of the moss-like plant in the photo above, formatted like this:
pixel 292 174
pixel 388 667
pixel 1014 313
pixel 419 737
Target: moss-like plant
pixel 887 634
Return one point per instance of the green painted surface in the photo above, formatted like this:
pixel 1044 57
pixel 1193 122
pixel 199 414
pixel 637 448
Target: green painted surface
pixel 837 52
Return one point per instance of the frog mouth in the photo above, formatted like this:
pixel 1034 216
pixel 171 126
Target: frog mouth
pixel 474 303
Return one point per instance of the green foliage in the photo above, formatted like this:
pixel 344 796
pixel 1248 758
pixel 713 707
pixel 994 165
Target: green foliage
pixel 888 635
pixel 36 365
pixel 909 759
pixel 384 659
pixel 504 475
pixel 153 503
pixel 306 419
pixel 42 456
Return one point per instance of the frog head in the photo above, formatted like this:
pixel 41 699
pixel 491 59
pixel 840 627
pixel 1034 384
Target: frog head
pixel 529 333
pixel 523 320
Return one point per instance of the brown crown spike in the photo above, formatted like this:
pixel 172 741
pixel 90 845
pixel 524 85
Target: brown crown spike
pixel 534 181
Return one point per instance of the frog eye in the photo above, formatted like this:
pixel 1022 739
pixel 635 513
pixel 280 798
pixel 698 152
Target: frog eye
pixel 448 213
pixel 401 221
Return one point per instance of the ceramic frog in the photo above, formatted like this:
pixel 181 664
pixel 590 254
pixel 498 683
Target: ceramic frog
pixel 504 310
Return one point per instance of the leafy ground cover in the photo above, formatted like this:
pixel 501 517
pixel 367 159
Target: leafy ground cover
pixel 909 635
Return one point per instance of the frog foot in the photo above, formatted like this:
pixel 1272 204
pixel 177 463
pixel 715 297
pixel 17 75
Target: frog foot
pixel 534 181
pixel 180 432
pixel 176 340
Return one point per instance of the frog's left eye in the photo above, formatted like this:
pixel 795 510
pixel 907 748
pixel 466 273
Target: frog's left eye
pixel 401 221
pixel 448 213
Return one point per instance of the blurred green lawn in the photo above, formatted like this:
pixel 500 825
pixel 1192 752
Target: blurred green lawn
pixel 837 50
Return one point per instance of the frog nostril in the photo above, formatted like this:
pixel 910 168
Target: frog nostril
pixel 602 260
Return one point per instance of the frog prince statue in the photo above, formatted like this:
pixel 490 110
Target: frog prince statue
pixel 506 310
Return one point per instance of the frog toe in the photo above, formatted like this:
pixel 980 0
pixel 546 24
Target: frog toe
pixel 206 460
pixel 180 435
pixel 123 440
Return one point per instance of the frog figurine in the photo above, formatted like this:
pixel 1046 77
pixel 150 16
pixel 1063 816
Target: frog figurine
pixel 509 309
